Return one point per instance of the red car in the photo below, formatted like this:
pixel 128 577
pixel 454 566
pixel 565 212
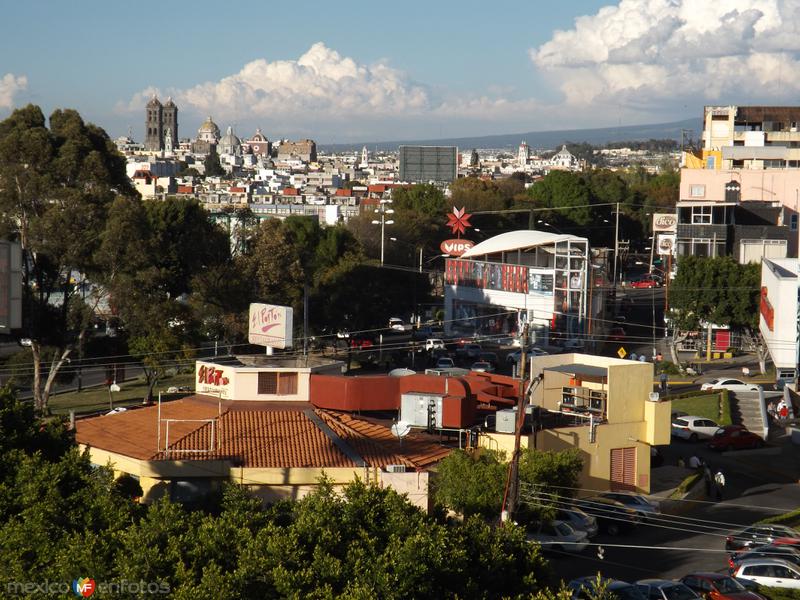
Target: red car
pixel 648 281
pixel 734 437
pixel 716 586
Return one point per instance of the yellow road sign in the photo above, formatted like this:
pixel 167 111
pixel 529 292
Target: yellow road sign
pixel 621 352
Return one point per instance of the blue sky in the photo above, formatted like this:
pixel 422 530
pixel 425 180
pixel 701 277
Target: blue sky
pixel 386 70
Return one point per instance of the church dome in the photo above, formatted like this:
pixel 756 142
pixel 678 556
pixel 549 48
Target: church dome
pixel 230 139
pixel 258 137
pixel 209 126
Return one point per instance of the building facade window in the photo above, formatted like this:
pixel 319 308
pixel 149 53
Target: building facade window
pixel 697 191
pixel 701 215
pixel 793 222
pixel 282 384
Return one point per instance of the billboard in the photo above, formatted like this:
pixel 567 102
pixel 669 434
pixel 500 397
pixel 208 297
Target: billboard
pixel 10 286
pixel 666 222
pixel 213 379
pixel 421 164
pixel 666 243
pixel 270 325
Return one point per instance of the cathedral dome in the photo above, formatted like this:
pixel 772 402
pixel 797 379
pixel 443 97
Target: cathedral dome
pixel 208 132
pixel 229 143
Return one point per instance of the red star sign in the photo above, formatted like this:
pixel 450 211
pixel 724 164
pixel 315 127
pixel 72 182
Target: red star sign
pixel 458 220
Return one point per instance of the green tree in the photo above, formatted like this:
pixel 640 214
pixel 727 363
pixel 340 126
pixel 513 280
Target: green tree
pixel 56 186
pixel 212 166
pixel 566 192
pixel 713 290
pixel 551 477
pixel 471 483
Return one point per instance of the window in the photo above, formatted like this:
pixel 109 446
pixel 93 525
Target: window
pixel 793 222
pixel 711 162
pixel 697 191
pixel 701 215
pixel 623 468
pixel 282 384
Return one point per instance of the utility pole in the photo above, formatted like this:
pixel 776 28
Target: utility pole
pixel 512 488
pixel 616 245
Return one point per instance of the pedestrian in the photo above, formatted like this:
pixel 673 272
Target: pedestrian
pixel 694 462
pixel 663 380
pixel 642 358
pixel 633 356
pixel 659 357
pixel 719 484
pixel 783 410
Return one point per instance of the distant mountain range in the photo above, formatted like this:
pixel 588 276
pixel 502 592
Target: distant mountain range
pixel 542 139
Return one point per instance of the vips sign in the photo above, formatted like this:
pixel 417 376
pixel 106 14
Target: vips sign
pixel 665 222
pixel 455 247
pixel 270 325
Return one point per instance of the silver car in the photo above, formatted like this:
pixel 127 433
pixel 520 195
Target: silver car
pixel 578 520
pixel 645 507
pixel 771 572
pixel 558 535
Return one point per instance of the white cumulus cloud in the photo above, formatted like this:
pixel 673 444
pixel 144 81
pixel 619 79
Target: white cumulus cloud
pixel 321 83
pixel 10 86
pixel 648 52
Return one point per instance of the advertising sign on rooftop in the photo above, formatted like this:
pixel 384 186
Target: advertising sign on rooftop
pixel 270 325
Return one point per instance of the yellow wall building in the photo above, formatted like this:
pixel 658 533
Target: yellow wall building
pixel 601 406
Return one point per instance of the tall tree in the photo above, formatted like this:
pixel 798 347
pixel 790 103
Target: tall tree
pixel 713 290
pixel 56 186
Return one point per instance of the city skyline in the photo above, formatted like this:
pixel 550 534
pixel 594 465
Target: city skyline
pixel 374 73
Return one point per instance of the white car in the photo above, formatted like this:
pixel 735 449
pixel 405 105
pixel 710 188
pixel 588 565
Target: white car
pixel 513 357
pixel 434 344
pixel 559 535
pixel 693 428
pixel 732 385
pixel 397 324
pixel 771 572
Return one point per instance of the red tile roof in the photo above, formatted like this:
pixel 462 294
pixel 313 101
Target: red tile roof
pixel 290 191
pixel 344 192
pixel 254 435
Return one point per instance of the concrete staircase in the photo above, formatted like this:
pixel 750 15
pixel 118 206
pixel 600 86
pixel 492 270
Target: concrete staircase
pixel 745 411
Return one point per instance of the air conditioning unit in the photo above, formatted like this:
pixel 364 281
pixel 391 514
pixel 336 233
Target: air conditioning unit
pixel 395 468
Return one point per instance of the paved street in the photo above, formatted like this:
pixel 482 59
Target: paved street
pixel 759 484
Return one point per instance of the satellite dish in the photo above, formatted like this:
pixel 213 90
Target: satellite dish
pixel 653 396
pixel 114 388
pixel 400 429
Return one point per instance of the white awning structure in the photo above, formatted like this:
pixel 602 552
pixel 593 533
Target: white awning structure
pixel 518 240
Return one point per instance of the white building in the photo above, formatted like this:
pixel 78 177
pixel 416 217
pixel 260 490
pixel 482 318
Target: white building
pixel 778 319
pixel 523 276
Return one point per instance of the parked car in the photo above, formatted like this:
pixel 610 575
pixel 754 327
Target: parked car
pixel 692 428
pixel 770 572
pixel 558 535
pixel 361 343
pixel 578 520
pixel 646 282
pixel 734 437
pixel 445 362
pixel 646 508
pixel 717 586
pixel 514 357
pixel 397 324
pixel 787 553
pixel 665 589
pixel 760 535
pixel 434 344
pixel 732 385
pixel 482 366
pixel 583 588
pixel 471 350
pixel 613 517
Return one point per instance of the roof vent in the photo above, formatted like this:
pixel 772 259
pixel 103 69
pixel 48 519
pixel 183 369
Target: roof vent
pixel 395 468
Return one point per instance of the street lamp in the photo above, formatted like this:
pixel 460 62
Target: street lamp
pixel 383 210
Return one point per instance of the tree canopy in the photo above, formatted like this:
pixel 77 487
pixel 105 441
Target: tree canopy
pixel 715 290
pixel 60 516
pixel 56 188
